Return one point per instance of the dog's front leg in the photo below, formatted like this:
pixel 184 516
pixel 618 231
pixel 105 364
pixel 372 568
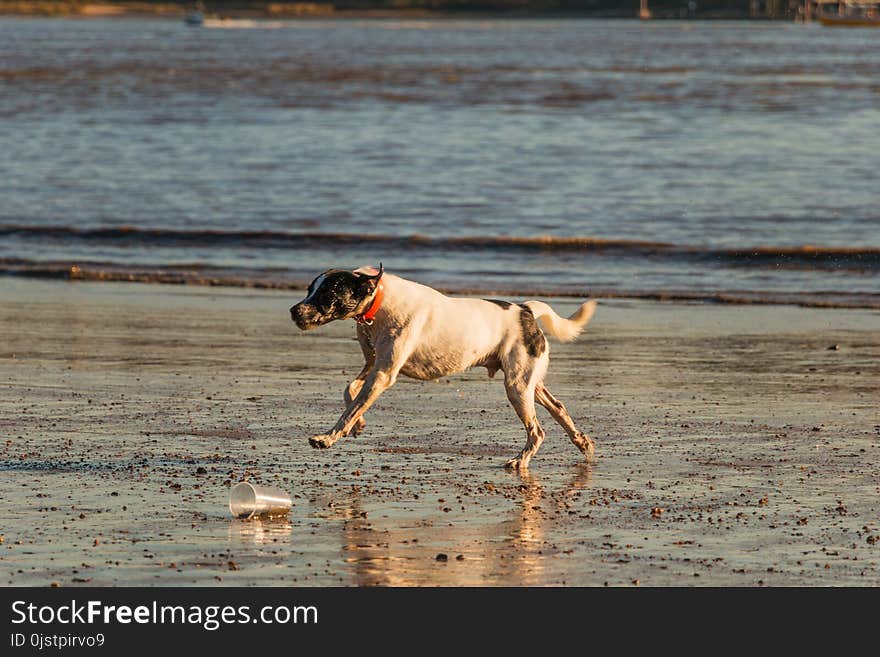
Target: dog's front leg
pixel 377 382
pixel 353 388
pixel 392 351
pixel 351 393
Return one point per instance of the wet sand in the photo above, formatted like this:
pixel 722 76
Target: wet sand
pixel 733 448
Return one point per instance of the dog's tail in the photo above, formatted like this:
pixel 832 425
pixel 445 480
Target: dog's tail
pixel 560 328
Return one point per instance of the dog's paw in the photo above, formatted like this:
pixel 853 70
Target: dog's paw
pixel 321 442
pixel 585 444
pixel 358 427
pixel 519 464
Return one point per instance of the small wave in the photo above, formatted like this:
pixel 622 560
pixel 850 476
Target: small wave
pixel 206 275
pixel 856 259
pixel 243 24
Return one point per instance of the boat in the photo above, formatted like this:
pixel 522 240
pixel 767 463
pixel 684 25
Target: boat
pixel 850 13
pixel 849 21
pixel 195 16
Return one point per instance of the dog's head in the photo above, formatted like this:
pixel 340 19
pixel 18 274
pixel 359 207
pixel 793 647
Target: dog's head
pixel 335 294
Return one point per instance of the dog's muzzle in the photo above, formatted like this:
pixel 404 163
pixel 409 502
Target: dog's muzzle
pixel 305 316
pixel 300 317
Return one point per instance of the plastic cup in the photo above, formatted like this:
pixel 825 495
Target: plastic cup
pixel 247 500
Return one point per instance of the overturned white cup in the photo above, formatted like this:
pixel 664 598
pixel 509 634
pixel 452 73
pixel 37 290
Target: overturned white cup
pixel 247 500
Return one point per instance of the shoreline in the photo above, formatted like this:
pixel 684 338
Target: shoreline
pixel 317 11
pixel 736 445
pixel 197 279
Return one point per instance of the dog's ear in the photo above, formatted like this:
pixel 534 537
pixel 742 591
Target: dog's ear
pixel 369 279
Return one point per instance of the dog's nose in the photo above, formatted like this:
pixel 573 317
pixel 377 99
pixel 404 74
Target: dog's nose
pixel 298 316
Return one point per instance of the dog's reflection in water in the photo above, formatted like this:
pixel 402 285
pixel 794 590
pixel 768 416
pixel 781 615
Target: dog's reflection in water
pixel 515 551
pixel 531 538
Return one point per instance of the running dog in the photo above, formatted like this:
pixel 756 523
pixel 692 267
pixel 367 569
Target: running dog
pixel 407 328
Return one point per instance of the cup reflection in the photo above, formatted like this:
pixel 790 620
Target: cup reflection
pixel 260 531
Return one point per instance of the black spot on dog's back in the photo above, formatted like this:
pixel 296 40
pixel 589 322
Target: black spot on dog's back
pixel 533 338
pixel 499 302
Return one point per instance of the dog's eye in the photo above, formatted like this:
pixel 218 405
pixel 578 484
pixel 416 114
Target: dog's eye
pixel 323 304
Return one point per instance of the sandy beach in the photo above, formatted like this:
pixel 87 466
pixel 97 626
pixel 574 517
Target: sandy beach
pixel 736 445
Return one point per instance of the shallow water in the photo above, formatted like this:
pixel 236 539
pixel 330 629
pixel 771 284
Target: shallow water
pixel 688 159
pixel 733 448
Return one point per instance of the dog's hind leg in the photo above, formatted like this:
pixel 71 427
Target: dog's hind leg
pixel 523 401
pixel 520 383
pixel 581 440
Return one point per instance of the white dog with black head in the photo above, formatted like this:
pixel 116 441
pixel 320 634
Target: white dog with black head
pixel 407 328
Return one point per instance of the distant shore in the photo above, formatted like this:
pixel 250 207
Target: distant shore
pixel 289 10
